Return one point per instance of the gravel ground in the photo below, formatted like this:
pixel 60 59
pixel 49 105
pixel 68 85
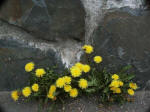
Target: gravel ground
pixel 82 104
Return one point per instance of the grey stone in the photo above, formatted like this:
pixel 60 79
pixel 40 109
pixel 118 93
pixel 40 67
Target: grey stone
pixel 80 104
pixel 47 19
pixel 17 48
pixel 66 18
pixel 122 38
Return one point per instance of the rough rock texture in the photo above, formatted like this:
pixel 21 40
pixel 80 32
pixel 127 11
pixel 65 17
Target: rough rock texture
pixel 122 38
pixel 82 104
pixel 16 49
pixel 47 19
pixel 96 9
pixel 57 26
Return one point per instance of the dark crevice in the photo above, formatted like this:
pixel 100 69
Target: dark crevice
pixel 76 39
pixel 40 38
pixel 2 2
pixel 147 3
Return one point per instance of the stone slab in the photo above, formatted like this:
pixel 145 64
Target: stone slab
pixel 82 104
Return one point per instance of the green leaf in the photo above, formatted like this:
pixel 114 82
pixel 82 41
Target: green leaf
pixel 36 94
pixel 90 83
pixel 129 77
pixel 124 69
pixel 90 90
pixel 56 93
pixel 46 100
pixel 106 90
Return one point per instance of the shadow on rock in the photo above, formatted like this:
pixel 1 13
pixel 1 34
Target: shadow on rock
pixel 148 110
pixel 1 109
pixel 2 2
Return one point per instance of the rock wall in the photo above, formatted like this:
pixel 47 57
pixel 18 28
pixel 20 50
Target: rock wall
pixel 52 32
pixel 17 47
pixel 47 19
pixel 96 9
pixel 123 38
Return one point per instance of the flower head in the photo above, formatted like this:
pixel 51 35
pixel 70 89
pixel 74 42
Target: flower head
pixel 75 71
pixel 130 92
pixel 133 86
pixel 83 83
pixel 51 92
pixel 29 67
pixel 67 79
pixel 14 95
pixel 84 47
pixel 73 93
pixel 121 83
pixel 35 87
pixel 115 77
pixel 88 49
pixel 98 59
pixel 115 89
pixel 26 91
pixel 52 88
pixel 60 82
pixel 50 95
pixel 86 68
pixel 79 65
pixel 40 72
pixel 67 88
pixel 114 83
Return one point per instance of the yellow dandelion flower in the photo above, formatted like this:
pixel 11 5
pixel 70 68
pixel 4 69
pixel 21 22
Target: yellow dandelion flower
pixel 73 93
pixel 114 83
pixel 86 68
pixel 133 86
pixel 60 82
pixel 67 88
pixel 50 95
pixel 83 83
pixel 117 90
pixel 67 79
pixel 14 95
pixel 130 92
pixel 113 88
pixel 121 83
pixel 35 87
pixel 40 72
pixel 115 77
pixel 75 71
pixel 79 65
pixel 84 47
pixel 98 59
pixel 26 91
pixel 51 92
pixel 88 49
pixel 52 89
pixel 29 67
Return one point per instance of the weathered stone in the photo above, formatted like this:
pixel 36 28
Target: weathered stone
pixel 84 104
pixel 10 10
pixel 47 19
pixel 122 39
pixel 18 48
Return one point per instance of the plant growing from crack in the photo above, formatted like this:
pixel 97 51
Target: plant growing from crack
pixel 80 79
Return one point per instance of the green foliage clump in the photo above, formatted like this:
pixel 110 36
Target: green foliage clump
pixel 80 79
